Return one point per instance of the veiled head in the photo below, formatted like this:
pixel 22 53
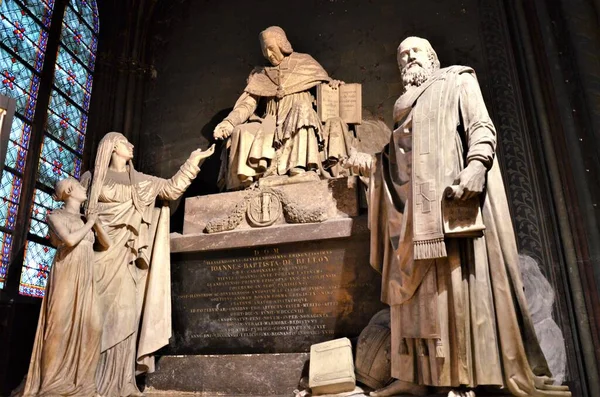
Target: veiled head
pixel 111 143
pixel 275 45
pixel 417 61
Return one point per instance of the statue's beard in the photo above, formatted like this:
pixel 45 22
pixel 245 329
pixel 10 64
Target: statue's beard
pixel 416 75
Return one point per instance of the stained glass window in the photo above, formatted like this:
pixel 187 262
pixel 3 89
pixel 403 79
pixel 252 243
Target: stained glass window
pixel 64 131
pixel 20 82
pixel 67 111
pixel 79 38
pixel 24 31
pixel 36 268
pixel 73 79
pixel 42 204
pixel 5 244
pixel 88 11
pixel 60 129
pixel 10 189
pixel 17 145
pixel 42 10
pixel 57 162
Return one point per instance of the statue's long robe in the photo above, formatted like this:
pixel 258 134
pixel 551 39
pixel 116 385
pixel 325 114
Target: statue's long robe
pixel 288 119
pixel 67 342
pixel 132 277
pixel 461 319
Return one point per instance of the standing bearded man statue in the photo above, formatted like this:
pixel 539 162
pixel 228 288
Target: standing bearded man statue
pixel 459 316
pixel 273 128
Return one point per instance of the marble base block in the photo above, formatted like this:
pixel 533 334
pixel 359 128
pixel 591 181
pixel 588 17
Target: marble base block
pixel 238 375
pixel 337 198
pixel 278 298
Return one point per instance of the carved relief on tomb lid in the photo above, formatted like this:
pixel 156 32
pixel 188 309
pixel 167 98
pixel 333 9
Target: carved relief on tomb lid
pixel 264 209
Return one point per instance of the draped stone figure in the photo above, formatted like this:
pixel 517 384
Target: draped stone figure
pixel 459 316
pixel 273 127
pixel 67 342
pixel 132 277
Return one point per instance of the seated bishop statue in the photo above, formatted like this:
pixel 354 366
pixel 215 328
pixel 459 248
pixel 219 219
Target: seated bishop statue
pixel 274 129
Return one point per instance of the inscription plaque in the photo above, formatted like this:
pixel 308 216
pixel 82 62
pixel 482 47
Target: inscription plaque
pixel 276 299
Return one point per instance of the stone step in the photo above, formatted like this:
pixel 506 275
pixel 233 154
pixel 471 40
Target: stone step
pixel 238 375
pixel 228 375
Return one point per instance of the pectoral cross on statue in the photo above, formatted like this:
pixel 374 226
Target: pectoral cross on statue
pixel 425 196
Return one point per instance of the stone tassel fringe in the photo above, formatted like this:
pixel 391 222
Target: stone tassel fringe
pixel 430 249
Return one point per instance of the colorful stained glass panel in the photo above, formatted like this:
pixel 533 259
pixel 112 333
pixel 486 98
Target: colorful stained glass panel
pixel 67 112
pixel 19 82
pixel 42 9
pixel 39 228
pixel 15 157
pixel 5 245
pixel 65 132
pixel 20 132
pixel 73 79
pixel 78 73
pixel 17 145
pixel 42 204
pixel 36 268
pixel 66 117
pixel 10 191
pixel 79 39
pixel 88 10
pixel 57 162
pixel 22 34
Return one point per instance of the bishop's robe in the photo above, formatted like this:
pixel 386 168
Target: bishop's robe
pixel 277 129
pixel 458 314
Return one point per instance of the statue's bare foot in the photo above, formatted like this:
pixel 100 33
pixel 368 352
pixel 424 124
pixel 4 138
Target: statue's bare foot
pixel 457 393
pixel 400 388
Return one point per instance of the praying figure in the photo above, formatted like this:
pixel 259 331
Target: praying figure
pixel 67 342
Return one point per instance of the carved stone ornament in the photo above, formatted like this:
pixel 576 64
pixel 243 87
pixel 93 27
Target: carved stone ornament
pixel 263 206
pixel 264 209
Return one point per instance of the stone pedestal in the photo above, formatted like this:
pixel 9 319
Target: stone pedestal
pixel 266 293
pixel 229 375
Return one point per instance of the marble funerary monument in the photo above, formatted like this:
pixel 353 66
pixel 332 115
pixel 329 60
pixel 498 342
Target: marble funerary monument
pixel 350 246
